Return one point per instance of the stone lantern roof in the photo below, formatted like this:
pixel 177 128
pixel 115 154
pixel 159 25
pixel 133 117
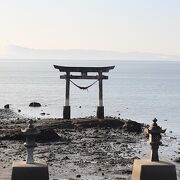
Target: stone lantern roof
pixel 155 129
pixel 30 130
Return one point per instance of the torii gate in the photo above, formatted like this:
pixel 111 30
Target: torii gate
pixel 84 75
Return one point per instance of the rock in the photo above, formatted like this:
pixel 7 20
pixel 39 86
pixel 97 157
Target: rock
pixel 78 176
pixel 16 135
pixel 177 160
pixel 48 136
pixel 19 110
pixel 173 137
pixel 44 136
pixel 6 106
pixel 132 126
pixel 103 123
pixel 65 158
pixel 42 114
pixel 34 104
pixel 126 171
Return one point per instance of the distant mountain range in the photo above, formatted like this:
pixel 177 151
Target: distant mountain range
pixel 17 52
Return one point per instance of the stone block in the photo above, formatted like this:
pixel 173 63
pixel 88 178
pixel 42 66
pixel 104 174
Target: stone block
pixel 148 170
pixel 35 171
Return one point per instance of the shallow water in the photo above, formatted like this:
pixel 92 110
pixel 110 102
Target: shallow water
pixel 136 90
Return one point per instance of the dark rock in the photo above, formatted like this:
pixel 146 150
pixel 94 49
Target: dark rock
pixel 16 135
pixel 126 171
pixel 6 106
pixel 132 126
pixel 78 176
pixel 3 146
pixel 48 136
pixel 34 104
pixel 19 110
pixel 66 158
pixel 177 160
pixel 173 137
pixel 44 136
pixel 100 123
pixel 42 114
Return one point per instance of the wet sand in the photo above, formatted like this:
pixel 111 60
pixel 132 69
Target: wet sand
pixel 84 148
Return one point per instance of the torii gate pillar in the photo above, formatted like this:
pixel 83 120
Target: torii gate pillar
pixel 67 108
pixel 100 108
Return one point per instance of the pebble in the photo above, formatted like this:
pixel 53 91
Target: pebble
pixel 65 158
pixel 78 176
pixel 42 114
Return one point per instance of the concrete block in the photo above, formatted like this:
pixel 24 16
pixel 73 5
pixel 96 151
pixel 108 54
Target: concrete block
pixel 23 171
pixel 148 170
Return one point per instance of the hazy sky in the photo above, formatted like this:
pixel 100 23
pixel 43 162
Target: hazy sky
pixel 119 25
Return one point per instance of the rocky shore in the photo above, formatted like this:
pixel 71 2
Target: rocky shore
pixel 81 148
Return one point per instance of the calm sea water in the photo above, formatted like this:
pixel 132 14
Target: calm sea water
pixel 139 91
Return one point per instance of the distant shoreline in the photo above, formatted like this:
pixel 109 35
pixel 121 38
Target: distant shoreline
pixel 18 52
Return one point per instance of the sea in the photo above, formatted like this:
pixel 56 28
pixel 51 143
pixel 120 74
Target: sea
pixel 136 90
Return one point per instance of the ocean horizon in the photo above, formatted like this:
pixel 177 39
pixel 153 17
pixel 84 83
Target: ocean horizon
pixel 136 90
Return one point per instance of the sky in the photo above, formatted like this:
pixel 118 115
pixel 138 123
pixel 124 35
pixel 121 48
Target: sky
pixel 112 25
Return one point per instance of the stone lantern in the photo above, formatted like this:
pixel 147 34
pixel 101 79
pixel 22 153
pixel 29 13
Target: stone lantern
pixel 30 132
pixel 154 139
pixel 153 169
pixel 28 170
